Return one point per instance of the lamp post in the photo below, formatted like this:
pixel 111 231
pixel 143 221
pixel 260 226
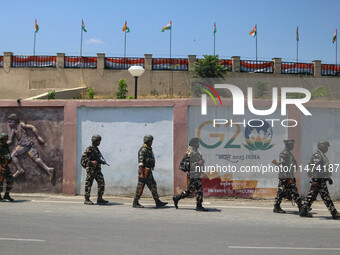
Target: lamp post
pixel 136 71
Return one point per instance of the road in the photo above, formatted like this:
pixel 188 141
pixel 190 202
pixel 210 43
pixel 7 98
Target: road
pixel 51 224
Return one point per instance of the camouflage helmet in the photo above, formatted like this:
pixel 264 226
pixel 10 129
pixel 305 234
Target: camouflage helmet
pixel 323 145
pixel 148 138
pixel 289 141
pixel 96 138
pixel 3 136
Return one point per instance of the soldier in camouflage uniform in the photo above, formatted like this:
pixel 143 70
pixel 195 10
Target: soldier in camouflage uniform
pixel 288 165
pixel 146 164
pixel 193 158
pixel 320 174
pixel 5 172
pixel 91 160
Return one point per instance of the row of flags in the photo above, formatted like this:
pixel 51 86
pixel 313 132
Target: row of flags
pixel 253 32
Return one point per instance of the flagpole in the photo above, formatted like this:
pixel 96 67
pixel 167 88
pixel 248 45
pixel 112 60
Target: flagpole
pixel 336 48
pixel 297 51
pixel 170 38
pixel 35 34
pixel 125 42
pixel 81 39
pixel 256 42
pixel 214 43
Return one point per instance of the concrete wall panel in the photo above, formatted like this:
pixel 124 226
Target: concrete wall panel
pixel 122 131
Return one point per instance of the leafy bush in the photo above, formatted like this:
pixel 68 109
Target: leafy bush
pixel 122 89
pixel 51 95
pixel 90 92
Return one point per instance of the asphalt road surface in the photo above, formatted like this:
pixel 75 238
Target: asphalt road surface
pixel 47 224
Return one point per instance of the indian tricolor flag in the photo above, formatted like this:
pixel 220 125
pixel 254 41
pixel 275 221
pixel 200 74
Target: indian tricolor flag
pixel 83 26
pixel 36 27
pixel 253 32
pixel 167 27
pixel 335 36
pixel 214 29
pixel 126 29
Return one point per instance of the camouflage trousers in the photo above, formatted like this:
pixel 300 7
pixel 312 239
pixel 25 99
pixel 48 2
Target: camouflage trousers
pixel 195 185
pixel 150 182
pixel 323 191
pixel 94 174
pixel 286 187
pixel 9 180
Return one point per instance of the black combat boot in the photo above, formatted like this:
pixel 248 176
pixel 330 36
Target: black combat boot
pixel 136 204
pixel 200 208
pixel 88 201
pixel 159 203
pixel 7 197
pixel 0 198
pixel 304 212
pixel 300 206
pixel 278 209
pixel 101 201
pixel 335 215
pixel 176 199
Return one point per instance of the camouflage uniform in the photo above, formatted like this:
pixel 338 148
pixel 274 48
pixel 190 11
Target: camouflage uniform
pixel 192 157
pixel 319 160
pixel 4 151
pixel 287 184
pixel 146 159
pixel 93 172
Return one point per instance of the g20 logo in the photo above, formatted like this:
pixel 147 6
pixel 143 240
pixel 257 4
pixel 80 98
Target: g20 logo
pixel 257 137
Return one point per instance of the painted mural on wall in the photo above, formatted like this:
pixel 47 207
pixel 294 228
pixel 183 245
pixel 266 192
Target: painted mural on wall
pixel 238 157
pixel 36 144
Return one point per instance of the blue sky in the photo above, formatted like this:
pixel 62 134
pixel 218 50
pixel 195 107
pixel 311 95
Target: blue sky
pixel 60 22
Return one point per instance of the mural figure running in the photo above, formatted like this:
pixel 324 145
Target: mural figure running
pixel 19 130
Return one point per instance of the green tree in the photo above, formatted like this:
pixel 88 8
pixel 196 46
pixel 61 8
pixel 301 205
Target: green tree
pixel 122 89
pixel 209 67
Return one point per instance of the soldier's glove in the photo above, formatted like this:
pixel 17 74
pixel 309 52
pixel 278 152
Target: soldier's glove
pixel 315 184
pixel 141 172
pixel 330 181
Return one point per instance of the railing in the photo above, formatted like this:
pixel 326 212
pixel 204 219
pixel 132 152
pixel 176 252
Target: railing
pixel 176 64
pixel 297 68
pixel 123 63
pixel 34 61
pixel 1 61
pixel 330 70
pixel 228 64
pixel 80 62
pixel 257 66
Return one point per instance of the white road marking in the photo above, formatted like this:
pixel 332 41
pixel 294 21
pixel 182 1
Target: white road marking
pixel 61 202
pixel 284 248
pixel 23 240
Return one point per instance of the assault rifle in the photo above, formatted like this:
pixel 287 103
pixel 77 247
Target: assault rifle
pixel 146 173
pixel 100 160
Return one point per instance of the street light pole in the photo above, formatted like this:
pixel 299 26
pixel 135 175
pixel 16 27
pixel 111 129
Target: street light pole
pixel 136 71
pixel 136 80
